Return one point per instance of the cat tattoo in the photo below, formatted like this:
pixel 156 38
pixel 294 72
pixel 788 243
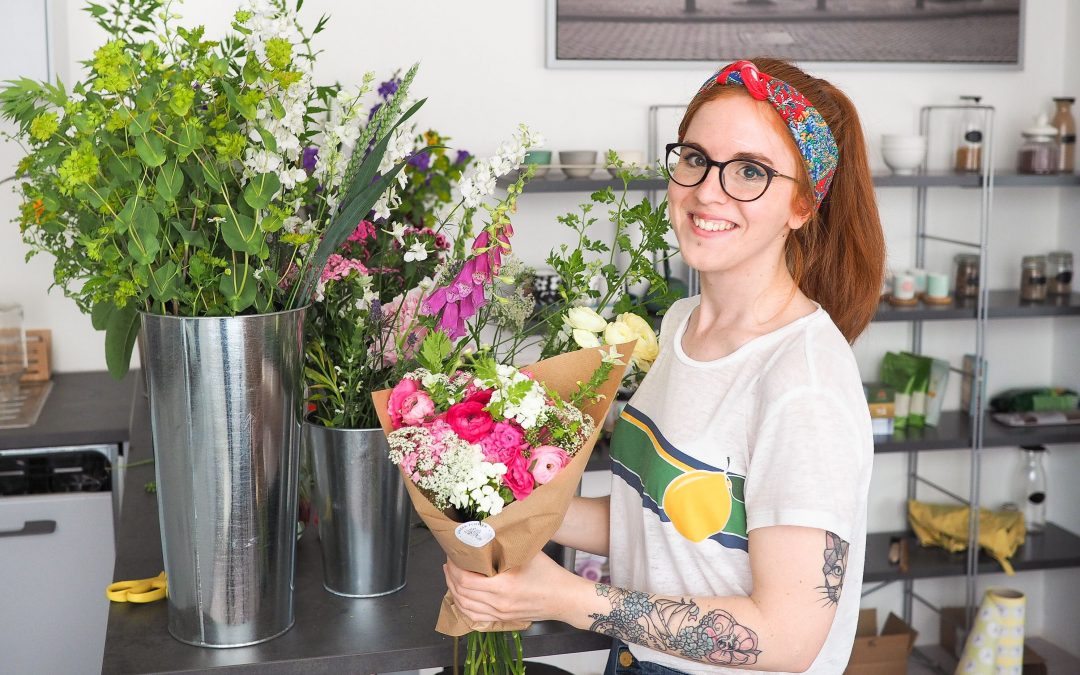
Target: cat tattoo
pixel 836 551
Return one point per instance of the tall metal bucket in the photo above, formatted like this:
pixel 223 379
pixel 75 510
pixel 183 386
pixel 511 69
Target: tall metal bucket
pixel 226 400
pixel 363 511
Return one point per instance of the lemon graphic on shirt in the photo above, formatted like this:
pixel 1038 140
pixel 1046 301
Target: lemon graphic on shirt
pixel 698 503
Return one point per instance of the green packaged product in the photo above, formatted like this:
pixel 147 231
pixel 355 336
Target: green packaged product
pixel 928 395
pixel 1038 399
pixel 900 372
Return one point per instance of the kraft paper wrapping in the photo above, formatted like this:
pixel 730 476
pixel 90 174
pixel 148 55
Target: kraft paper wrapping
pixel 522 528
pixel 1000 532
pixel 996 644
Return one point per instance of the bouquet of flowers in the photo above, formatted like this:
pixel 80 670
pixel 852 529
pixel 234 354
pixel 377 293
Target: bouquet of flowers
pixel 491 455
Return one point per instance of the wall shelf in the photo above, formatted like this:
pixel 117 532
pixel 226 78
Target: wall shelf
pixel 953 432
pixel 1004 304
pixel 1053 549
pixel 554 181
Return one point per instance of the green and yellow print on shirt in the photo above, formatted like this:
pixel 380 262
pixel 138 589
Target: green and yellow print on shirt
pixel 700 501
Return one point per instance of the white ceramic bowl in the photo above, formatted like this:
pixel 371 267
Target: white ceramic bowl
pixel 904 154
pixel 633 159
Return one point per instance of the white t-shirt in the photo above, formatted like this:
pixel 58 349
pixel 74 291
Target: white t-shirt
pixel 776 433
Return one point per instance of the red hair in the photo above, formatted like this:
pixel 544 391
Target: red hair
pixel 838 257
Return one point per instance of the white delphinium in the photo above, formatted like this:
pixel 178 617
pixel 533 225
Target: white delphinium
pixel 268 24
pixel 481 178
pixel 340 132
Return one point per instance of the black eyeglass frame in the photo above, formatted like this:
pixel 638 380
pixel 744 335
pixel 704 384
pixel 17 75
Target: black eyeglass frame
pixel 720 166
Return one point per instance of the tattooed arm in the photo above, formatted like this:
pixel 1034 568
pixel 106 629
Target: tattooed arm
pixel 798 576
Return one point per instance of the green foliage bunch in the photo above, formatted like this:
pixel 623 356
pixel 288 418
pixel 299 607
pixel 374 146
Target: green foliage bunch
pixel 195 177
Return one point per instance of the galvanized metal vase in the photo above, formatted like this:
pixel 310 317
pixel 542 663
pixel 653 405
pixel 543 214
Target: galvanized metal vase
pixel 363 511
pixel 226 399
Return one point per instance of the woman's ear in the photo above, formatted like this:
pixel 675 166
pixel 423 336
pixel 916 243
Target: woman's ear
pixel 801 213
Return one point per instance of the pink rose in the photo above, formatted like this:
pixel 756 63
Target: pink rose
pixel 398 395
pixel 518 478
pixel 415 408
pixel 469 420
pixel 547 461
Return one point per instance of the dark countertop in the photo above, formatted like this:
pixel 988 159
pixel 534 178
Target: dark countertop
pixel 332 634
pixel 82 409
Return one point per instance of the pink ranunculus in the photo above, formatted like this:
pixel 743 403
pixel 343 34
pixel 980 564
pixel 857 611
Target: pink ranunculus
pixel 518 478
pixel 546 462
pixel 469 420
pixel 398 394
pixel 503 443
pixel 416 408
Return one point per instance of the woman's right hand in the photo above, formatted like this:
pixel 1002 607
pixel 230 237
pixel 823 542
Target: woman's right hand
pixel 585 526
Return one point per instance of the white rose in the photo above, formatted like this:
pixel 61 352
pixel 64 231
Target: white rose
pixel 586 318
pixel 585 339
pixel 647 347
pixel 618 333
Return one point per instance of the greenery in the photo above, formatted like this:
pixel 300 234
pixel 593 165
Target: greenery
pixel 174 178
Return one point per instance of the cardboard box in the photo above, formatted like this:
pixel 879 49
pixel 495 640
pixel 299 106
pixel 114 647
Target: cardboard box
pixel 884 654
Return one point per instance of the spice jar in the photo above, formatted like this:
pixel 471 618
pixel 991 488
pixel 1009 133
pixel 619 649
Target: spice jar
pixel 1065 124
pixel 1039 152
pixel 1033 278
pixel 969 145
pixel 1059 271
pixel 967 275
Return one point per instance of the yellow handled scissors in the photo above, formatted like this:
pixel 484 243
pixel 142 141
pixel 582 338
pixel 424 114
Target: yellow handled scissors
pixel 138 590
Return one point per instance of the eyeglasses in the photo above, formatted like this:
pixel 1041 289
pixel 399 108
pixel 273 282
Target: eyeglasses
pixel 743 180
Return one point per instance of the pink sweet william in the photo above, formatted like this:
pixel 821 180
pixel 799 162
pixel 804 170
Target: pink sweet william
pixel 469 420
pixel 546 462
pixel 398 394
pixel 518 478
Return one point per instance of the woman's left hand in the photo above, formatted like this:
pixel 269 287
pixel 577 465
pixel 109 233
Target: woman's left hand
pixel 536 591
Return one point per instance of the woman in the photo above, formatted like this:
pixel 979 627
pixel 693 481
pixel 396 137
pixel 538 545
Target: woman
pixel 737 517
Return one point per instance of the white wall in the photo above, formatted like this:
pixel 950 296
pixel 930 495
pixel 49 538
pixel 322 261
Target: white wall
pixel 483 71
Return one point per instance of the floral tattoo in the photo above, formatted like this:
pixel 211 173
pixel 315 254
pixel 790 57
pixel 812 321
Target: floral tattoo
pixel 836 551
pixel 676 626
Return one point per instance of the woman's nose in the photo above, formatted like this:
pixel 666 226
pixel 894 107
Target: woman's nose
pixel 710 189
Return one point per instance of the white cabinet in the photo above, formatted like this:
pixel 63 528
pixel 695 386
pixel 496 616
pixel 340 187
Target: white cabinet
pixel 56 558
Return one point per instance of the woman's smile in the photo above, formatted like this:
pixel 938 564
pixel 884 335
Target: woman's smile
pixel 709 226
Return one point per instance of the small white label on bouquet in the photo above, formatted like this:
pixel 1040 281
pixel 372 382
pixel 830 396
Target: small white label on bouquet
pixel 474 533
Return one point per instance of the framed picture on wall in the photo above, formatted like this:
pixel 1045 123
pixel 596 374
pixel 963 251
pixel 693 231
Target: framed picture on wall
pixel 702 33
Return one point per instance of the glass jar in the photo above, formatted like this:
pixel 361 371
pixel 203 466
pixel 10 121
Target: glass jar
pixel 1039 152
pixel 967 275
pixel 1033 278
pixel 969 144
pixel 1065 124
pixel 1031 488
pixel 1059 272
pixel 12 350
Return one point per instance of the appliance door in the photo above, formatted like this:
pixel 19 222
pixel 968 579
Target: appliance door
pixel 56 558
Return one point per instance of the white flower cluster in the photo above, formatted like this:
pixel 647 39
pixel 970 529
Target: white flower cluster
pixel 459 477
pixel 476 488
pixel 340 132
pixel 524 409
pixel 268 22
pixel 480 180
